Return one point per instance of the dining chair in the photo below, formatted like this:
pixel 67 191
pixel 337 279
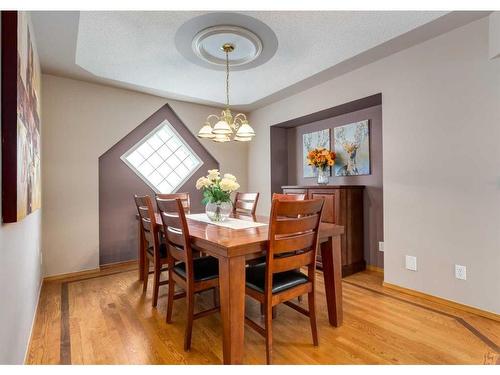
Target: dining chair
pixel 194 275
pixel 293 241
pixel 289 197
pixel 186 204
pixel 184 197
pixel 245 203
pixel 155 251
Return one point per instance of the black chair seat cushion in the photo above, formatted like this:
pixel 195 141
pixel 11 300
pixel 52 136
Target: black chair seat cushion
pixel 205 268
pixel 256 262
pixel 163 250
pixel 282 281
pixel 262 260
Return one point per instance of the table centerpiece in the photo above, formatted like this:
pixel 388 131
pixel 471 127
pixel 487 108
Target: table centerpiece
pixel 217 194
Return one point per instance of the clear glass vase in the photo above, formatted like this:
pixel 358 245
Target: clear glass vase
pixel 218 211
pixel 323 176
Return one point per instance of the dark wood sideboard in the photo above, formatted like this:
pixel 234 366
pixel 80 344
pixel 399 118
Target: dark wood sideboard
pixel 343 206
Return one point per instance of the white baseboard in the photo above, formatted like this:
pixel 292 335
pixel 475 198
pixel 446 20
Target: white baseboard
pixel 33 321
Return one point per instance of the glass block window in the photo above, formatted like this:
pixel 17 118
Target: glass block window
pixel 162 159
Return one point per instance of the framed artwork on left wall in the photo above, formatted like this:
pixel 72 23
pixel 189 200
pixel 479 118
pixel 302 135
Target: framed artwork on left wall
pixel 21 122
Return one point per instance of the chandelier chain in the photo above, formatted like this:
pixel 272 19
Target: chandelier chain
pixel 227 79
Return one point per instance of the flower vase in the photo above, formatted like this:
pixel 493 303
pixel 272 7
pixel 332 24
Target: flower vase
pixel 323 176
pixel 218 211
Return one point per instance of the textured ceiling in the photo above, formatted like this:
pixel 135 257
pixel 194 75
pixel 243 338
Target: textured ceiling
pixel 137 49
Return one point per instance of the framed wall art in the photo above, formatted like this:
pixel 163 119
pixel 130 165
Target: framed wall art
pixel 21 121
pixel 352 146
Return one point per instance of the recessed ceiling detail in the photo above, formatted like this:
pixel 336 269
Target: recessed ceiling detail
pixel 153 52
pixel 207 45
pixel 200 39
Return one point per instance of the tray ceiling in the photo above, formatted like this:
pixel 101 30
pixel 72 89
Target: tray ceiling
pixel 137 50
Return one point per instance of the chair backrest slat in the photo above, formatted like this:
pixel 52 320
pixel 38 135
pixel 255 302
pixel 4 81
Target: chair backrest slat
pixel 292 262
pixel 245 203
pixel 177 253
pixel 246 206
pixel 290 226
pixel 248 196
pixel 184 197
pixel 172 221
pixel 175 237
pixel 294 243
pixel 147 227
pixel 289 196
pixel 294 209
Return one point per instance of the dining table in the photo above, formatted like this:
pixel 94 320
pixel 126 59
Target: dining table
pixel 233 248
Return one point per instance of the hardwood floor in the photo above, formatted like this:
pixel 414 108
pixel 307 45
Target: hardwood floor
pixel 103 318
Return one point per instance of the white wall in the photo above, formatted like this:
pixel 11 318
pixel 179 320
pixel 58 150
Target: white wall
pixel 81 122
pixel 20 281
pixel 441 116
pixel 20 277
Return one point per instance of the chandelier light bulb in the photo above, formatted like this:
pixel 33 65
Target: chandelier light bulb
pixel 245 130
pixel 206 131
pixel 221 138
pixel 222 127
pixel 242 139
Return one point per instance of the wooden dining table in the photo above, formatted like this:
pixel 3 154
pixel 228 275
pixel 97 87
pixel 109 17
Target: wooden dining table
pixel 233 248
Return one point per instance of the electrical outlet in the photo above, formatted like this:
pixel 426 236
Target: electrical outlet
pixel 460 272
pixel 411 263
pixel 381 246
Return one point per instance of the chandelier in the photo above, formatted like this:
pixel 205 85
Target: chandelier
pixel 227 127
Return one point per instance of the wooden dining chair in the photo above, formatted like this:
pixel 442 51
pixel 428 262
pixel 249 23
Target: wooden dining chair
pixel 289 197
pixel 262 260
pixel 184 197
pixel 281 197
pixel 194 275
pixel 186 204
pixel 155 251
pixel 245 203
pixel 293 241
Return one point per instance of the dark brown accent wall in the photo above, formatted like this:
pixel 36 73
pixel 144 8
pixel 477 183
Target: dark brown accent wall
pixel 279 142
pixel 118 234
pixel 373 194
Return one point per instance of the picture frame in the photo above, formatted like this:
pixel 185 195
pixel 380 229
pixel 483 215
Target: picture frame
pixel 20 120
pixel 352 147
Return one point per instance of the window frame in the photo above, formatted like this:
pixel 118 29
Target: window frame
pixel 144 139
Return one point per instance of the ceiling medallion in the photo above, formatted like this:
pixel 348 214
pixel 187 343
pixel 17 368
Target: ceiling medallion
pixel 206 45
pixel 199 39
pixel 226 127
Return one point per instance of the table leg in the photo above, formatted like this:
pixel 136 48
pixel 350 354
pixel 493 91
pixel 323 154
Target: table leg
pixel 232 303
pixel 140 253
pixel 332 273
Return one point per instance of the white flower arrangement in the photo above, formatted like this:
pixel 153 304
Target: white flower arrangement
pixel 215 188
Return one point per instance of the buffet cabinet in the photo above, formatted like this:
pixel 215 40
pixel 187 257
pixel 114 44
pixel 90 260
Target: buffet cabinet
pixel 343 206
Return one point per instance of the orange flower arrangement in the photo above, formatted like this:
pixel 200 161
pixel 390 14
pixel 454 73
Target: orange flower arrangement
pixel 321 158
